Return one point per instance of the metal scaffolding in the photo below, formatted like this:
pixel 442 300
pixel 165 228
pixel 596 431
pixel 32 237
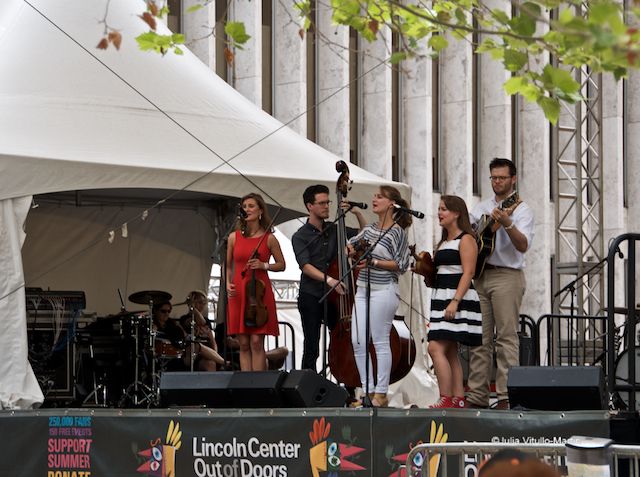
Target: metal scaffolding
pixel 576 141
pixel 577 149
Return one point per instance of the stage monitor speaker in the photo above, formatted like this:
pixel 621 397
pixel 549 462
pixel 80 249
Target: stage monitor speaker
pixel 196 389
pixel 306 388
pixel 256 389
pixel 561 388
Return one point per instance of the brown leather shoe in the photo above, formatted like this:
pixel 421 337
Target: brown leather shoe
pixel 502 405
pixel 472 405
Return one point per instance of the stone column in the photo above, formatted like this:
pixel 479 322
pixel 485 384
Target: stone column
pixel 197 28
pixel 376 143
pixel 417 97
pixel 246 76
pixel 494 119
pixel 633 160
pixel 332 74
pixel 612 194
pixel 456 119
pixel 534 175
pixel 290 68
pixel 633 146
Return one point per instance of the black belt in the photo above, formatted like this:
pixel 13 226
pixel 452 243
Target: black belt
pixel 489 266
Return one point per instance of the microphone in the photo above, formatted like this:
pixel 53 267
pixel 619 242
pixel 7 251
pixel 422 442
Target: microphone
pixel 241 212
pixel 415 213
pixel 360 205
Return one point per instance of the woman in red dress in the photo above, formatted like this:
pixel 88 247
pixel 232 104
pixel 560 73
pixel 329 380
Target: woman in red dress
pixel 248 251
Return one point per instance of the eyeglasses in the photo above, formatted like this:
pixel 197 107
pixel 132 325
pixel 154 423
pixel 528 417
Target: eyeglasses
pixel 324 203
pixel 499 178
pixel 162 310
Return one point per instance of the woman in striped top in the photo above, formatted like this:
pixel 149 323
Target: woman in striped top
pixel 455 306
pixel 389 259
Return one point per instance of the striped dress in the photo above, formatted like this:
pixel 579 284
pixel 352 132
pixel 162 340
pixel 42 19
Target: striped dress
pixel 466 327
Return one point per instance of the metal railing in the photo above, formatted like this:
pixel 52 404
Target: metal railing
pixel 627 384
pixel 284 291
pixel 572 340
pixel 433 460
pixel 286 338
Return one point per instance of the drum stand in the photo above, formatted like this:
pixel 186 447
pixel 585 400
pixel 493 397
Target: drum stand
pixel 138 393
pixel 99 390
pixel 192 338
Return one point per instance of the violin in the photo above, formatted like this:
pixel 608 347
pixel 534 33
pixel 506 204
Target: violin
pixel 255 311
pixel 424 266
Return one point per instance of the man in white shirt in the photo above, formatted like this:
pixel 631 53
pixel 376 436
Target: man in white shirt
pixel 500 287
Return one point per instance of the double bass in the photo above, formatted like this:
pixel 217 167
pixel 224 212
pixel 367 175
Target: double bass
pixel 342 363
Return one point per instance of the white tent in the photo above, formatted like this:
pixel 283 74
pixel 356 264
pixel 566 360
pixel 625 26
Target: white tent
pixel 122 129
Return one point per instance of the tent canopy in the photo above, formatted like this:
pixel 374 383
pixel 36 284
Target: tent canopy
pixel 73 117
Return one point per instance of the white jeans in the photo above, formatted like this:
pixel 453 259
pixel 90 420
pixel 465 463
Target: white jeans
pixel 383 305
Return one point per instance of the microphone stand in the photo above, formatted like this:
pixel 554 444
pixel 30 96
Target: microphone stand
pixel 192 327
pixel 222 290
pixel 571 288
pixel 366 401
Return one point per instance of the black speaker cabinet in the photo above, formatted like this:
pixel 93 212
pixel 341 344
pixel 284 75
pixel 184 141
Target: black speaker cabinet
pixel 259 389
pixel 306 388
pixel 196 389
pixel 256 389
pixel 52 358
pixel 562 388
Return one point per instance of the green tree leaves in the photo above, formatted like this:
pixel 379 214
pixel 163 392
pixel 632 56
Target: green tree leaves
pixel 590 33
pixel 236 33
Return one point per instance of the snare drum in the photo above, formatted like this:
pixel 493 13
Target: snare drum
pixel 166 349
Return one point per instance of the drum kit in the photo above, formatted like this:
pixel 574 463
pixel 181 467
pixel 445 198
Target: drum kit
pixel 130 377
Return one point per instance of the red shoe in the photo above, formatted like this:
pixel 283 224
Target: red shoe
pixel 444 402
pixel 458 402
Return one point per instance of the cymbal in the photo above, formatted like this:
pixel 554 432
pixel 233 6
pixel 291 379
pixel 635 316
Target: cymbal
pixel 147 297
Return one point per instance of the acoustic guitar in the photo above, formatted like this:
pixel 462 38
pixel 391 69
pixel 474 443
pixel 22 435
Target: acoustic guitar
pixel 486 232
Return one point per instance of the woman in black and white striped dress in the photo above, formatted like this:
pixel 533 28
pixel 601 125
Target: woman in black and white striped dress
pixel 455 306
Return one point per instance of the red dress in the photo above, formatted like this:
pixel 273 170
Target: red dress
pixel 242 251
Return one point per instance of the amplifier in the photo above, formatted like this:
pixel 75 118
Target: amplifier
pixel 52 357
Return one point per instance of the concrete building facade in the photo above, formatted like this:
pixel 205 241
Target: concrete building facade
pixel 433 124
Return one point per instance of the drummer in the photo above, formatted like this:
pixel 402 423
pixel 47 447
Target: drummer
pixel 206 358
pixel 166 327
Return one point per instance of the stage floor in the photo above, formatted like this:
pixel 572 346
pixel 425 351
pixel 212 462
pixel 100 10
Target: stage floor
pixel 260 442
